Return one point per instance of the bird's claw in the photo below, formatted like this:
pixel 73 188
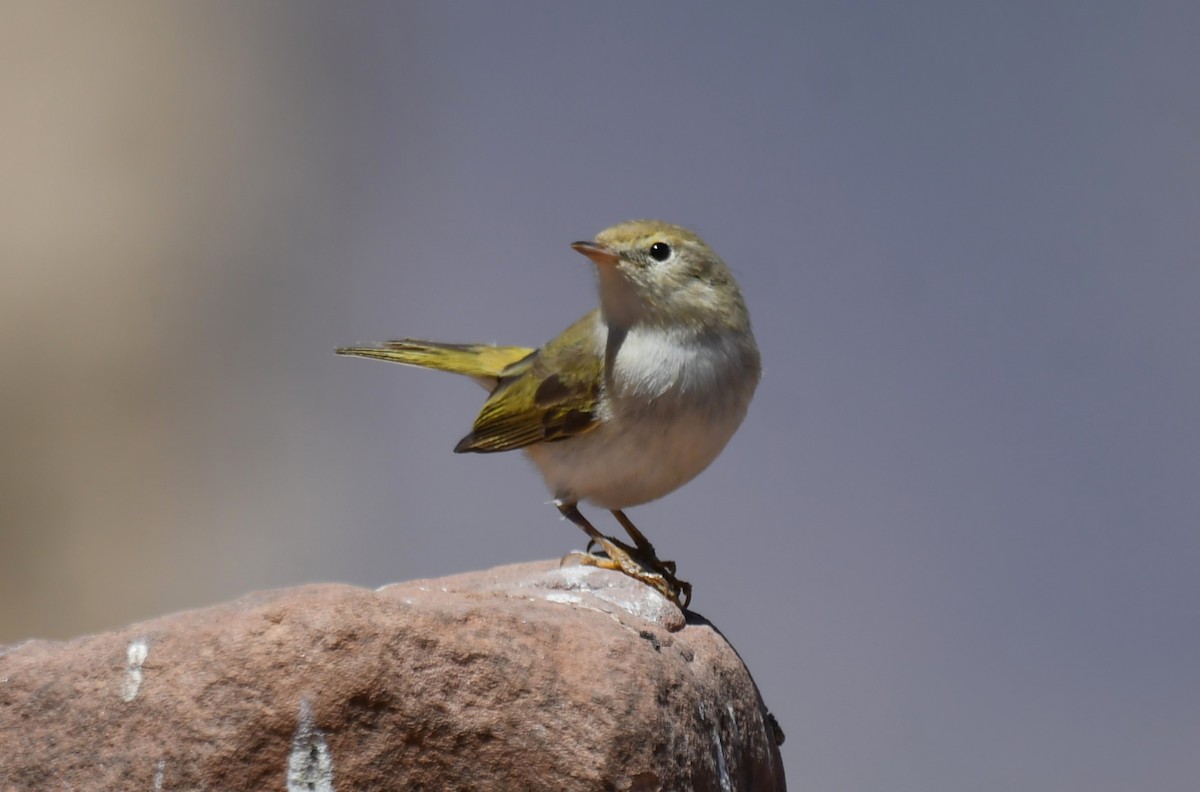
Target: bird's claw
pixel 655 573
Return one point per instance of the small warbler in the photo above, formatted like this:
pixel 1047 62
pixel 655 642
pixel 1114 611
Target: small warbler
pixel 630 402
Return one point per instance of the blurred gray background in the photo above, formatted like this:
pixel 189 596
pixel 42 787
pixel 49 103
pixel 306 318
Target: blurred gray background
pixel 957 538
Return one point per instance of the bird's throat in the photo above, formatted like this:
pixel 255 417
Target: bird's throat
pixel 619 302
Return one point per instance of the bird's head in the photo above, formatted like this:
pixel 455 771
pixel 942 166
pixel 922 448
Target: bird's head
pixel 658 274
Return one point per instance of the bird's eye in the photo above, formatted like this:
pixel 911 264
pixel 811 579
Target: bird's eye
pixel 660 251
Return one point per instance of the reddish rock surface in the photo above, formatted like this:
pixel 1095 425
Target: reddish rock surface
pixel 521 677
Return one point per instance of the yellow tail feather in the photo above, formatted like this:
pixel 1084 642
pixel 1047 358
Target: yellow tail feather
pixel 478 361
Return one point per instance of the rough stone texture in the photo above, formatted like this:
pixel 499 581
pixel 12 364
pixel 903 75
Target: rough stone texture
pixel 522 677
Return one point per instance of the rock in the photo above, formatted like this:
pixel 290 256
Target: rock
pixel 522 677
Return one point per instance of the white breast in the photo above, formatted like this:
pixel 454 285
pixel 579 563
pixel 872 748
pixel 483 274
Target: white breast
pixel 670 405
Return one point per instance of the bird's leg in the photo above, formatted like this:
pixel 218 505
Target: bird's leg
pixel 626 559
pixel 640 541
pixel 613 547
pixel 591 546
pixel 646 553
pixel 595 538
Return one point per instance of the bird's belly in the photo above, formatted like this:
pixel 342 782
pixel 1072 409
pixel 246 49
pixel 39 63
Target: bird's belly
pixel 622 464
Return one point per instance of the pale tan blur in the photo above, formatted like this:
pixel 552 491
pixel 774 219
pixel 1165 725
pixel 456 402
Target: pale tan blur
pixel 153 168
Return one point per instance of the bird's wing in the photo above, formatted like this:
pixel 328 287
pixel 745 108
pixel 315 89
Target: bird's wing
pixel 550 395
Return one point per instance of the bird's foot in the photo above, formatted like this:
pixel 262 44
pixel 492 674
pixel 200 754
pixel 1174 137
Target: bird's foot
pixel 657 562
pixel 655 573
pixel 640 562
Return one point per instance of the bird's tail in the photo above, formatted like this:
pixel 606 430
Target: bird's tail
pixel 483 363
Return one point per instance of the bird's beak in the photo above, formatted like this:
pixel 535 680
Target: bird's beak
pixel 597 253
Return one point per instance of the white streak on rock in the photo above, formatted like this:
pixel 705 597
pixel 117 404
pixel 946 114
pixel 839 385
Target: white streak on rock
pixel 733 725
pixel 574 575
pixel 310 764
pixel 726 781
pixel 158 775
pixel 718 752
pixel 135 655
pixel 563 597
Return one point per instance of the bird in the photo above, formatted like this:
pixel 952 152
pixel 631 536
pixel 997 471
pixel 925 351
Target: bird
pixel 630 402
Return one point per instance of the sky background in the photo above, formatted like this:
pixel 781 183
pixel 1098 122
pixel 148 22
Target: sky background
pixel 956 539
